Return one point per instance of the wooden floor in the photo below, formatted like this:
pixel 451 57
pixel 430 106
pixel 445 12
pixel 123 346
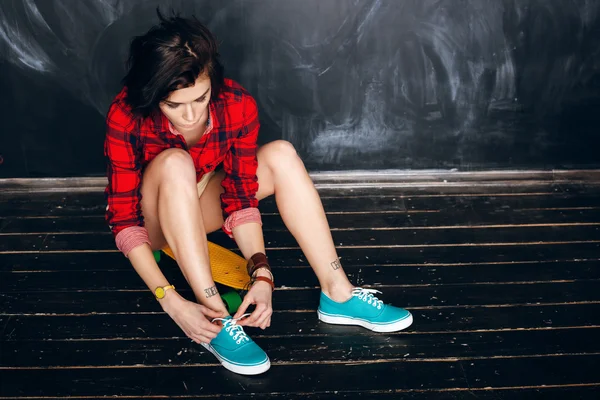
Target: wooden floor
pixel 503 281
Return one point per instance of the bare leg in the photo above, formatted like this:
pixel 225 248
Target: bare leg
pixel 172 214
pixel 281 172
pixel 298 201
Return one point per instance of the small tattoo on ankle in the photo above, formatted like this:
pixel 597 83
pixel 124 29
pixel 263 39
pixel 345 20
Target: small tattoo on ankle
pixel 336 264
pixel 211 291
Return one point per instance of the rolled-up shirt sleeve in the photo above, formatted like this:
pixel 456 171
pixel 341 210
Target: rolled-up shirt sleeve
pixel 124 173
pixel 239 202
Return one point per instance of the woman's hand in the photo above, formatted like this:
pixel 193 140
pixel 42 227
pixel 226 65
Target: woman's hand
pixel 194 319
pixel 259 294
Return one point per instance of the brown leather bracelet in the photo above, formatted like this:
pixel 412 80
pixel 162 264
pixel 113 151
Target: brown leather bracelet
pixel 266 269
pixel 265 279
pixel 256 261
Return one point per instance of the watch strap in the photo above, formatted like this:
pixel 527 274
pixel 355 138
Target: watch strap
pixel 164 288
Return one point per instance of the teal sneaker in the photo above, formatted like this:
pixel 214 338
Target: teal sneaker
pixel 236 351
pixel 365 310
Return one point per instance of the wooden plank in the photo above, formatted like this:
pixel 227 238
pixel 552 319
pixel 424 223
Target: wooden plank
pixel 409 237
pixel 464 188
pixel 353 176
pixel 326 189
pixel 295 323
pixel 448 255
pixel 24 242
pixel 418 255
pixel 375 220
pixel 205 380
pixel 485 203
pixel 83 204
pixel 141 300
pixel 411 187
pixel 500 338
pixel 305 349
pixel 274 240
pixel 529 371
pixel 214 380
pixel 291 277
pixel 514 187
pixel 449 175
pixel 580 392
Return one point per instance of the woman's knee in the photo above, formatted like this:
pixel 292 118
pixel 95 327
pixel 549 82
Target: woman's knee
pixel 173 164
pixel 281 154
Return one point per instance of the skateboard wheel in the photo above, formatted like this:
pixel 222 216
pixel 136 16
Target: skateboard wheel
pixel 156 255
pixel 232 301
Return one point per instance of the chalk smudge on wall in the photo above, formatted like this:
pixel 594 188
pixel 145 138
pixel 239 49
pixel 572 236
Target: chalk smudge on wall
pixel 412 81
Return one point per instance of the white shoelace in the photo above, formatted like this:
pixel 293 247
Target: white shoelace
pixel 236 331
pixel 367 296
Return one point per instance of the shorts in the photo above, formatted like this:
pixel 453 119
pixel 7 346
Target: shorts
pixel 204 182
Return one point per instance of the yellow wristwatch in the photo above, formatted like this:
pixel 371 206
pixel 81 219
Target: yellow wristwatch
pixel 160 292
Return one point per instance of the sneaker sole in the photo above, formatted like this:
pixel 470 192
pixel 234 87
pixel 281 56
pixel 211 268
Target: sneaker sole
pixel 393 327
pixel 240 369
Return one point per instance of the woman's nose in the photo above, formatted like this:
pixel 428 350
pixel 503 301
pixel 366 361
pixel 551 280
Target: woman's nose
pixel 188 115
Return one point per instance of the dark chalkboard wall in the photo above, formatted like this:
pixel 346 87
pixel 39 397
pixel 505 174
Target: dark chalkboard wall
pixel 354 84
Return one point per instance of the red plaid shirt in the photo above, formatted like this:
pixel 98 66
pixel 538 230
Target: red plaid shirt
pixel 131 144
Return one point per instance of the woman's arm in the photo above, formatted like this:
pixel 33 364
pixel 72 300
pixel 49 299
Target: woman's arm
pixel 124 173
pixel 240 208
pixel 124 216
pixel 123 194
pixel 249 238
pixel 240 165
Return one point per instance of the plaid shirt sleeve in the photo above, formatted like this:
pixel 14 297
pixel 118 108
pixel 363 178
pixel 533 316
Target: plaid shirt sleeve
pixel 124 172
pixel 240 165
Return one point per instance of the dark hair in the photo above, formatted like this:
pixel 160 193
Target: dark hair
pixel 170 56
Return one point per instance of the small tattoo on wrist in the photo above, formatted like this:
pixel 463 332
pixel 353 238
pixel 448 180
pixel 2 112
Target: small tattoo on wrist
pixel 336 264
pixel 211 291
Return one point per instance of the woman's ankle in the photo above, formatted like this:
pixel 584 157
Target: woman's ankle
pixel 338 291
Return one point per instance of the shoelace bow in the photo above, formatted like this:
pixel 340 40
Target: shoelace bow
pixel 367 296
pixel 236 331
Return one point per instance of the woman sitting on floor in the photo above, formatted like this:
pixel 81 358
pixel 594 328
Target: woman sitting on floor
pixel 175 121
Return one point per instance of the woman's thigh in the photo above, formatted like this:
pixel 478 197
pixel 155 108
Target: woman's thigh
pixel 165 166
pixel 210 201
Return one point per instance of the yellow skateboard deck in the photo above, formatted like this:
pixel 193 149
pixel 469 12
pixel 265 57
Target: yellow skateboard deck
pixel 227 268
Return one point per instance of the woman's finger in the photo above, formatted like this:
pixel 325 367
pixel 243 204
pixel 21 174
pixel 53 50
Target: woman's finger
pixel 243 307
pixel 210 312
pixel 204 339
pixel 209 326
pixel 201 338
pixel 258 312
pixel 205 328
pixel 194 338
pixel 265 324
pixel 261 322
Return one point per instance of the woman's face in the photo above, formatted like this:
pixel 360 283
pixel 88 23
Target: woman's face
pixel 188 107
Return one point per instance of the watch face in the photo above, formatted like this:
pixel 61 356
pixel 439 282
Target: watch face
pixel 160 292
